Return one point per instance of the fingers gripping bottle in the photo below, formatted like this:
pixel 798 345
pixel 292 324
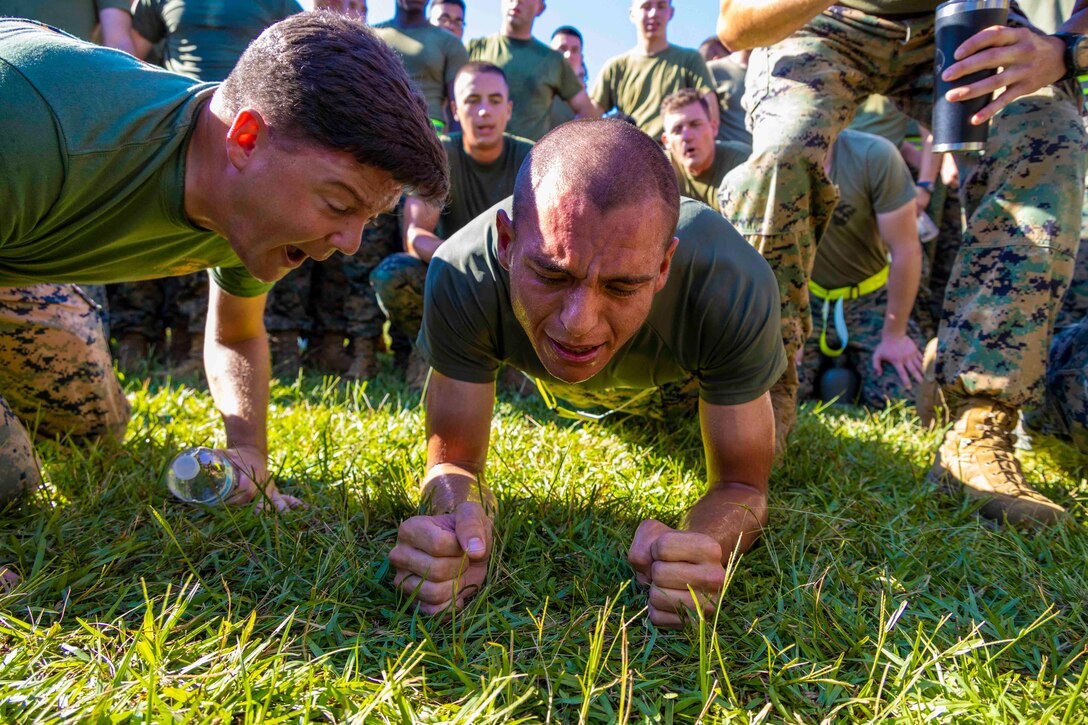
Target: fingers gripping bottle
pixel 201 475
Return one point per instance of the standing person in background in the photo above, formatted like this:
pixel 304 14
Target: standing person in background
pixel 484 162
pixel 536 74
pixel 636 82
pixel 728 74
pixel 567 40
pixel 201 39
pixel 700 162
pixel 713 49
pixel 449 15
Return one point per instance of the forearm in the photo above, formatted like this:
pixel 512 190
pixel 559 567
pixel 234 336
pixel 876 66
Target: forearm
pixel 733 514
pixel 744 24
pixel 238 379
pixel 421 243
pixel 448 484
pixel 903 279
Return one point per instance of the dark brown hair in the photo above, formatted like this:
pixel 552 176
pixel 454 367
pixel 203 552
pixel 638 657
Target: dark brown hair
pixel 682 98
pixel 478 67
pixel 325 78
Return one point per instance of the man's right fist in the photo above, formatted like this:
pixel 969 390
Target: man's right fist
pixel 442 560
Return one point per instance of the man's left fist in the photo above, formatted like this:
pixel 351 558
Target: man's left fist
pixel 671 561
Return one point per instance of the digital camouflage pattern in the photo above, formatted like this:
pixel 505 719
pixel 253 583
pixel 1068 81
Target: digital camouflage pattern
pixel 1023 199
pixel 56 376
pixel 1075 304
pixel 398 284
pixel 864 324
pixel 1064 412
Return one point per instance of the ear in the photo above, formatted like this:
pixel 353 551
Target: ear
pixel 666 263
pixel 665 139
pixel 543 7
pixel 246 133
pixel 505 228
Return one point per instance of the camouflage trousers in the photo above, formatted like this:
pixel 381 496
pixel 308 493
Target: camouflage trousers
pixel 147 308
pixel 335 295
pixel 1064 411
pixel 1075 304
pixel 56 377
pixel 864 324
pixel 1022 201
pixel 398 284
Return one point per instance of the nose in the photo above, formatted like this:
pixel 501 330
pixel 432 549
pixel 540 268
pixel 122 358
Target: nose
pixel 580 313
pixel 348 238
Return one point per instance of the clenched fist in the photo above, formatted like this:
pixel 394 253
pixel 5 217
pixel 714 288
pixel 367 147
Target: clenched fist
pixel 671 561
pixel 442 560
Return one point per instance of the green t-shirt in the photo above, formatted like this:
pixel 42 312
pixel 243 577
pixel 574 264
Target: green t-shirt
pixel 892 8
pixel 729 83
pixel 476 187
pixel 561 113
pixel 432 57
pixel 880 116
pixel 636 83
pixel 205 38
pixel 717 316
pixel 93 193
pixel 78 17
pixel 872 179
pixel 536 75
pixel 704 187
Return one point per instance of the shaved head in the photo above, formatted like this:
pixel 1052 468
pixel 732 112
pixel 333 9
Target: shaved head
pixel 608 163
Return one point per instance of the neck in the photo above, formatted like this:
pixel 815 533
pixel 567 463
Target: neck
pixel 649 46
pixel 205 168
pixel 697 171
pixel 519 34
pixel 409 18
pixel 483 155
pixel 741 57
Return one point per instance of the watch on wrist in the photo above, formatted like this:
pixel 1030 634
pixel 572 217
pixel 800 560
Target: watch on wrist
pixel 927 185
pixel 1076 53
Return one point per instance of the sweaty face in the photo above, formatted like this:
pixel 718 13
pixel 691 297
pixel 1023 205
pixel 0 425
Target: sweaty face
pixel 571 48
pixel 483 108
pixel 291 203
pixel 582 283
pixel 449 16
pixel 689 137
pixel 651 17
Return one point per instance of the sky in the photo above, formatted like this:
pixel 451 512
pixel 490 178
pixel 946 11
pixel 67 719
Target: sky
pixel 604 23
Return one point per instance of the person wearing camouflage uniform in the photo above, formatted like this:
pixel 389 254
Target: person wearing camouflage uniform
pixel 875 215
pixel 1022 200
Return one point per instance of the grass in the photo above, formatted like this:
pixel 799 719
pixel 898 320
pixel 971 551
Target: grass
pixel 872 596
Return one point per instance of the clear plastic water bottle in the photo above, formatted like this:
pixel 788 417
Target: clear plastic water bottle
pixel 201 475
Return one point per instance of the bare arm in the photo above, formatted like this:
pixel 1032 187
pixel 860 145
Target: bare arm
pixel 744 24
pixel 458 433
pixel 116 27
pixel 583 106
pixel 420 221
pixel 899 230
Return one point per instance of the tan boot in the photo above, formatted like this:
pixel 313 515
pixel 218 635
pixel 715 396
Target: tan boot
pixel 188 354
pixel 133 350
pixel 364 354
pixel 784 404
pixel 416 372
pixel 331 354
pixel 929 399
pixel 286 357
pixel 977 455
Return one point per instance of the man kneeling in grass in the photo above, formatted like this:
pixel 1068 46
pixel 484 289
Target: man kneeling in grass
pixel 600 282
pixel 114 171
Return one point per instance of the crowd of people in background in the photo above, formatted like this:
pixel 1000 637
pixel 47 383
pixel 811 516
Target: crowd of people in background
pixel 899 274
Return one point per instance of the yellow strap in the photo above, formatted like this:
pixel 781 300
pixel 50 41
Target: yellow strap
pixel 864 287
pixel 564 412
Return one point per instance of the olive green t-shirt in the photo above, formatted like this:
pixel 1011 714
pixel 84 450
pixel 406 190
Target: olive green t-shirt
pixel 205 38
pixel 476 187
pixel 561 113
pixel 872 179
pixel 880 116
pixel 635 83
pixel 93 193
pixel 729 83
pixel 717 316
pixel 704 187
pixel 432 56
pixel 892 8
pixel 78 17
pixel 535 74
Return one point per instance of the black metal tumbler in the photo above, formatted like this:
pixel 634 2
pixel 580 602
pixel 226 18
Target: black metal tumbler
pixel 957 21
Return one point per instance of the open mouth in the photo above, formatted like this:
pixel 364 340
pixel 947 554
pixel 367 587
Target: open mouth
pixel 573 353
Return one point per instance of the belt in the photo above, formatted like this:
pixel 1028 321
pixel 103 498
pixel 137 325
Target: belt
pixel 837 295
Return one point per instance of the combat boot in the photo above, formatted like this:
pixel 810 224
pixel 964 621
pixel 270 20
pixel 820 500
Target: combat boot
pixel 929 400
pixel 286 357
pixel 977 456
pixel 416 371
pixel 364 358
pixel 784 405
pixel 331 354
pixel 187 350
pixel 133 350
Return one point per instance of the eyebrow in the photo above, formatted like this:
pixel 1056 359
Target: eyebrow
pixel 354 194
pixel 549 266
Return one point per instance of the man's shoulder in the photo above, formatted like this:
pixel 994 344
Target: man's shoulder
pixel 472 248
pixel 724 69
pixel 709 244
pixel 680 55
pixel 517 144
pixel 866 145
